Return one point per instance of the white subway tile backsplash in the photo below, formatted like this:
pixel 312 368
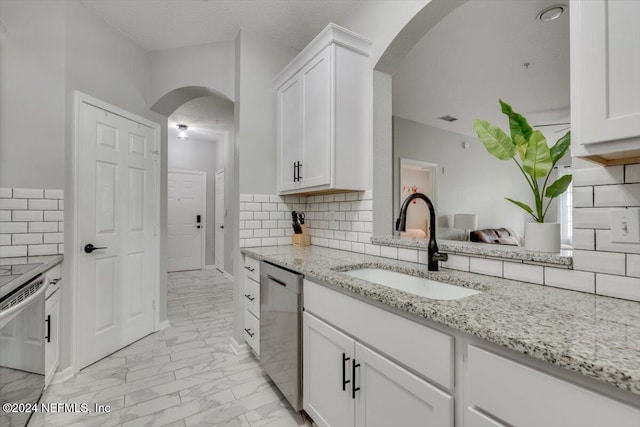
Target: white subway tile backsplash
pixel 5 216
pixel 582 281
pixel 488 267
pixel 633 265
pixel 54 194
pixel 524 272
pixel 27 216
pixel 6 193
pixel 246 197
pixel 632 173
pixel 372 249
pixel 35 250
pixel 618 286
pixel 603 243
pixel 454 262
pixel 584 239
pixel 261 198
pixel 14 227
pixel 344 245
pixel 12 251
pixel 43 204
pixel 27 239
pixel 28 193
pixel 42 227
pixel 408 255
pixel 599 262
pixel 598 175
pixel 591 218
pixel 5 239
pixel 54 216
pixel 583 197
pixel 389 252
pixel 617 195
pixel 11 204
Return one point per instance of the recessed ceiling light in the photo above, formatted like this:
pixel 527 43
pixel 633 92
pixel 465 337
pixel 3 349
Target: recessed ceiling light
pixel 448 118
pixel 551 13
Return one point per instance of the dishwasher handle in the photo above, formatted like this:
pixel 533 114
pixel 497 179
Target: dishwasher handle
pixel 273 279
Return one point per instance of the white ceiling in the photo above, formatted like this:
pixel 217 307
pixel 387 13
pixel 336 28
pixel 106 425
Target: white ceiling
pixel 475 55
pixel 207 117
pixel 163 24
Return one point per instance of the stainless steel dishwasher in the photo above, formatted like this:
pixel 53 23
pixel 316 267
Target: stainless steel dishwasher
pixel 281 331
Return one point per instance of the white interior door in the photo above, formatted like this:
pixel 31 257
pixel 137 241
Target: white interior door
pixel 117 211
pixel 219 220
pixel 186 235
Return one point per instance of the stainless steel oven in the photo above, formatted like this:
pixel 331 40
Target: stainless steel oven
pixel 22 349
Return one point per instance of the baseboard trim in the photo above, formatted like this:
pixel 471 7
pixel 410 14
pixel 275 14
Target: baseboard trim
pixel 237 348
pixel 61 376
pixel 163 325
pixel 210 267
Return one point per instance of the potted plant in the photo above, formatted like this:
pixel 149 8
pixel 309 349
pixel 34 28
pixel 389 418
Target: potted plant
pixel 536 161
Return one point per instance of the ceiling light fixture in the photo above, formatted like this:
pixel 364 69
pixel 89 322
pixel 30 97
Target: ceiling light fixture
pixel 448 118
pixel 551 13
pixel 182 133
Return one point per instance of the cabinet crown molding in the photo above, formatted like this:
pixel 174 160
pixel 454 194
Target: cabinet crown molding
pixel 332 33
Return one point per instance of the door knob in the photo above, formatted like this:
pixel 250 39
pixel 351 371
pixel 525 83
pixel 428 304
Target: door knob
pixel 90 248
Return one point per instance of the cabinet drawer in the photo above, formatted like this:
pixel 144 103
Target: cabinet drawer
pixel 424 350
pixel 252 297
pixel 252 268
pixel 523 396
pixel 252 331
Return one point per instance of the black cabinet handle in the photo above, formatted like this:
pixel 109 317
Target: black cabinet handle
pixel 248 331
pixel 299 174
pixel 48 336
pixel 354 365
pixel 250 268
pixel 345 381
pixel 295 171
pixel 90 248
pixel 249 297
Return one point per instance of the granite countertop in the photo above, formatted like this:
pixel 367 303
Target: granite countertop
pixel 593 335
pixel 562 258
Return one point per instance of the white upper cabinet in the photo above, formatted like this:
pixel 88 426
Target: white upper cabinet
pixel 322 115
pixel 605 80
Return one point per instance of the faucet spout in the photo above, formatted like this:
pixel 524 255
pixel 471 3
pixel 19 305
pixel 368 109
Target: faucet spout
pixel 433 256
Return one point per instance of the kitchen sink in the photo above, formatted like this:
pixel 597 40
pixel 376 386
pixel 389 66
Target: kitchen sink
pixel 412 284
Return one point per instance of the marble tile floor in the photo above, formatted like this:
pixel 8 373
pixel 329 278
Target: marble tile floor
pixel 185 375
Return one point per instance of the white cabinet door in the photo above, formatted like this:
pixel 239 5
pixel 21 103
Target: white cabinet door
pixel 392 396
pixel 317 129
pixel 290 133
pixel 605 37
pixel 52 339
pixel 327 358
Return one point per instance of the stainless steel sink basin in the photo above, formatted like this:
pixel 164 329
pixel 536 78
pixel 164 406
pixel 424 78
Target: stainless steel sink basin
pixel 411 284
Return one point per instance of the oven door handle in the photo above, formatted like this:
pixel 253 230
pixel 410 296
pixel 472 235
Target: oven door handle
pixel 10 312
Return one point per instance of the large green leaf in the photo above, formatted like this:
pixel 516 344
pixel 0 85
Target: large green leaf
pixel 521 145
pixel 523 206
pixel 558 187
pixel 537 160
pixel 560 148
pixel 518 125
pixel 495 140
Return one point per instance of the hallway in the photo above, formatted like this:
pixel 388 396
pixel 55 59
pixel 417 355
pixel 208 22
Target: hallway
pixel 185 375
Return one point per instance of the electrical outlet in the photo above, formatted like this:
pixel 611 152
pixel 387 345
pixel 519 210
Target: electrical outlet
pixel 625 225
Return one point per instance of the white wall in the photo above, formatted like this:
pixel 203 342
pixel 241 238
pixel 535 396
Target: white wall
pixel 473 180
pixel 209 65
pixel 32 85
pixel 199 155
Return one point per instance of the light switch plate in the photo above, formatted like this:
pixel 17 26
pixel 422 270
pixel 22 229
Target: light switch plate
pixel 625 225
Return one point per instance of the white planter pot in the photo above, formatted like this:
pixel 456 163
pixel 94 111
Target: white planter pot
pixel 542 237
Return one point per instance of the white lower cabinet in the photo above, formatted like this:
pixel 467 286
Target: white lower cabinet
pixel 522 396
pixel 52 339
pixel 251 286
pixel 348 384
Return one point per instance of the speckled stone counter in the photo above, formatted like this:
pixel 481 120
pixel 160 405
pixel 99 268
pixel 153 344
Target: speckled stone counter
pixel 563 258
pixel 594 335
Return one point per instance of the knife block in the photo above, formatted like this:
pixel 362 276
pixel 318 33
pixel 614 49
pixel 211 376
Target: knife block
pixel 302 239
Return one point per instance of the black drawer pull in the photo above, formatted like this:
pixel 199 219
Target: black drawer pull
pixel 248 331
pixel 48 336
pixel 251 269
pixel 354 365
pixel 249 297
pixel 345 381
